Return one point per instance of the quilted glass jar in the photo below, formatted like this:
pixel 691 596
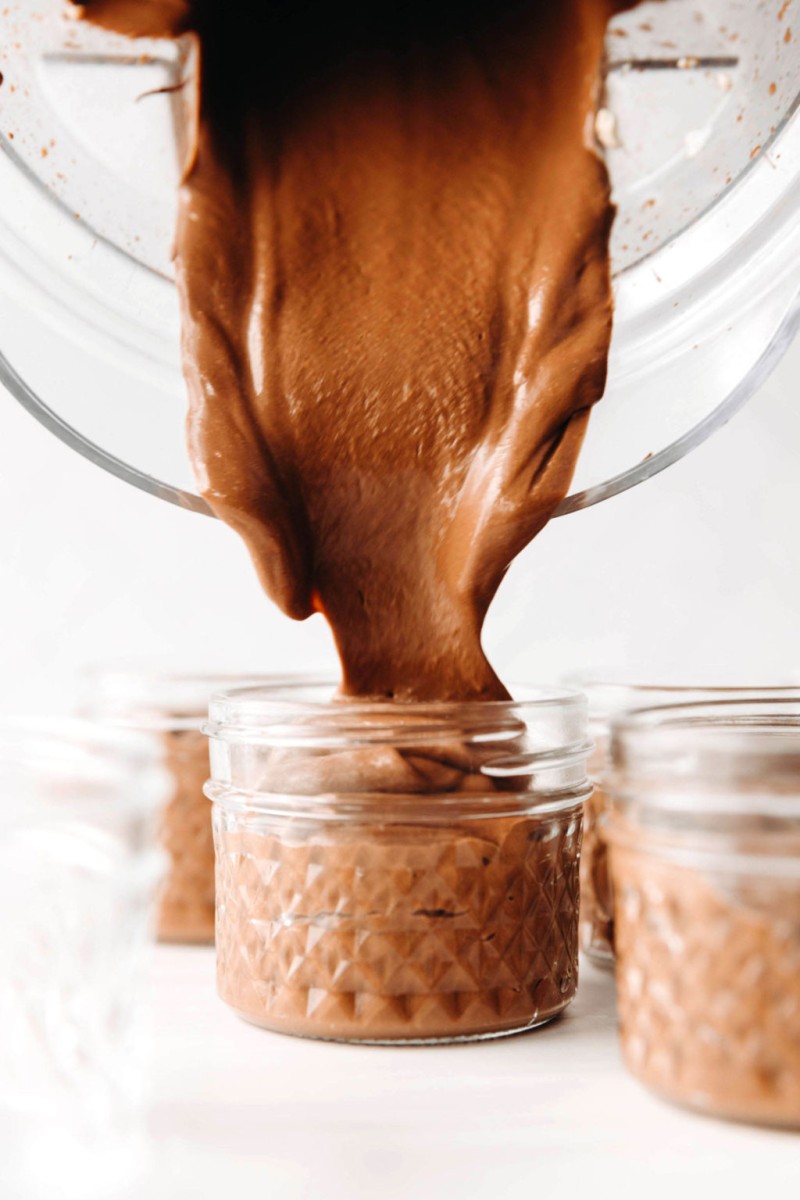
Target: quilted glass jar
pixel 169 708
pixel 611 697
pixel 705 861
pixel 396 872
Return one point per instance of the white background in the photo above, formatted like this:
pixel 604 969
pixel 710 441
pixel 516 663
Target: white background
pixel 693 574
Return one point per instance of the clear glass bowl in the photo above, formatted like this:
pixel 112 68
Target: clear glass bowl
pixel 704 151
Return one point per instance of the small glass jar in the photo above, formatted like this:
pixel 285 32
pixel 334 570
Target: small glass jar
pixel 79 873
pixel 608 699
pixel 704 835
pixel 396 872
pixel 171 708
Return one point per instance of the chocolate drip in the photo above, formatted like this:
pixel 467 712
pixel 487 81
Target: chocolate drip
pixel 392 253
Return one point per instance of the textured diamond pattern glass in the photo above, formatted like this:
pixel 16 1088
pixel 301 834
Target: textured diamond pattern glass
pixel 327 930
pixel 709 985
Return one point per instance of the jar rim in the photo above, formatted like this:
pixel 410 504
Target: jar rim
pixel 91 752
pixel 309 714
pixel 161 698
pixel 748 716
pixel 255 707
pixel 727 758
pixel 610 694
pixel 542 738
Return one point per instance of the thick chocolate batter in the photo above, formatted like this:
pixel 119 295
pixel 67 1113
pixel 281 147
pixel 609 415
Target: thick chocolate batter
pixel 392 253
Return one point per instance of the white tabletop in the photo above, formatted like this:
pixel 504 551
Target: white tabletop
pixel 548 1114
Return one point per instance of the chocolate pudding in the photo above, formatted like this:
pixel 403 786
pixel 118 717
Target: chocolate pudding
pixel 704 838
pixel 400 873
pixel 168 708
pixel 399 933
pixel 611 699
pixel 708 979
pixel 392 256
pixel 186 911
pixel 597 898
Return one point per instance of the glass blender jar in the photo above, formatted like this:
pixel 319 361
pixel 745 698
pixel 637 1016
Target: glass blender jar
pixel 699 124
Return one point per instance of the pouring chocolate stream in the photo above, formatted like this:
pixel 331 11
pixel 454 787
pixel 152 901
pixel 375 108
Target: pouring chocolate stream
pixel 392 254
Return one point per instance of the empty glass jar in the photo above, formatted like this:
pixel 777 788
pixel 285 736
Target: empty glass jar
pixel 704 835
pixel 396 872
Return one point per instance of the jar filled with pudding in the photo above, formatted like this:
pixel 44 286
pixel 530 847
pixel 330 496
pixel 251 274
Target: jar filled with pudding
pixel 704 840
pixel 610 698
pixel 171 708
pixel 396 873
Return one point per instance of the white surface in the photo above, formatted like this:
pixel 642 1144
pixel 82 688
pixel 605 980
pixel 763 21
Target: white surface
pixel 241 1112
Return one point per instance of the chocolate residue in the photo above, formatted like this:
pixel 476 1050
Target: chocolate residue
pixel 392 254
pixel 597 899
pixel 139 18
